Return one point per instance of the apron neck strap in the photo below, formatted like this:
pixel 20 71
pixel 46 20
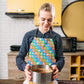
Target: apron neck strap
pixel 38 30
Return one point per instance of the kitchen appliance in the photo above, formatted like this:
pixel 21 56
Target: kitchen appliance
pixel 69 44
pixel 15 47
pixel 42 74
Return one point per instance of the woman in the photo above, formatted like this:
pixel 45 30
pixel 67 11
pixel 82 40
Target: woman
pixel 43 45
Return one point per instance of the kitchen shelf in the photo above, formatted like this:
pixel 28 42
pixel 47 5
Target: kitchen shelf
pixel 74 75
pixel 20 15
pixel 82 65
pixel 76 67
pixel 81 76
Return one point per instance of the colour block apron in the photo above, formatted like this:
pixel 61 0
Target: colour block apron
pixel 42 52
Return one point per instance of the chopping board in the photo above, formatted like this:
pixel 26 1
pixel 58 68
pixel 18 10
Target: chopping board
pixel 73 20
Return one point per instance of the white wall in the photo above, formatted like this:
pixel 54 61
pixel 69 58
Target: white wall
pixel 12 31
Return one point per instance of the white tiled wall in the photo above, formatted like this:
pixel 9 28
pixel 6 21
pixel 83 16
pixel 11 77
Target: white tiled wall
pixel 11 33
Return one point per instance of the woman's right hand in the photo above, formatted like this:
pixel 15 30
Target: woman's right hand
pixel 28 72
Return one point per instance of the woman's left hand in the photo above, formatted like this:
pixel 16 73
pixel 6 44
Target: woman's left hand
pixel 56 70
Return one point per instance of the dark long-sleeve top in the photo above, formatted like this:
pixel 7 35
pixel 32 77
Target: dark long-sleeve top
pixel 28 37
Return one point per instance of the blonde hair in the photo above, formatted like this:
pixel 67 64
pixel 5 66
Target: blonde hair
pixel 48 7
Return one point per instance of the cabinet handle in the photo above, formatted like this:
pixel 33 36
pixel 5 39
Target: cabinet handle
pixel 55 22
pixel 37 22
pixel 19 10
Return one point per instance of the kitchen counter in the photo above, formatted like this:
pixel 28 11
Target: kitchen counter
pixel 64 53
pixel 14 73
pixel 11 81
pixel 73 53
pixel 20 81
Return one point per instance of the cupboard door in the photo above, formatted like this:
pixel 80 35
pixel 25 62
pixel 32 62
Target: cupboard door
pixel 56 3
pixel 24 6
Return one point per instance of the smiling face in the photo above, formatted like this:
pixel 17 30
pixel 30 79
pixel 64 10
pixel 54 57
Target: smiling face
pixel 45 19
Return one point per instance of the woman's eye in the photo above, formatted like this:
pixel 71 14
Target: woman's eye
pixel 43 19
pixel 49 20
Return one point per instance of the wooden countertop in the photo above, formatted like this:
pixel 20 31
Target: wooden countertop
pixel 20 81
pixel 15 53
pixel 11 81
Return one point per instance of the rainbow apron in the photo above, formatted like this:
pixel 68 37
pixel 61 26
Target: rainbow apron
pixel 41 52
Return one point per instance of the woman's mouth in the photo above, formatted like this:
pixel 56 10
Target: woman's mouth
pixel 46 26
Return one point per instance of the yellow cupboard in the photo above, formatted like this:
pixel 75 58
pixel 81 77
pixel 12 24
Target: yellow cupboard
pixel 32 6
pixel 58 10
pixel 20 6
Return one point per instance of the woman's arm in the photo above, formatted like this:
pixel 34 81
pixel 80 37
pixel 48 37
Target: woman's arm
pixel 20 59
pixel 59 54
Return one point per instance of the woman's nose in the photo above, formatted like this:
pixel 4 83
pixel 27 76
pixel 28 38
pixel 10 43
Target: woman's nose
pixel 46 21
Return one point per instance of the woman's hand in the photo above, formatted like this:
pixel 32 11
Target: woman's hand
pixel 54 67
pixel 28 72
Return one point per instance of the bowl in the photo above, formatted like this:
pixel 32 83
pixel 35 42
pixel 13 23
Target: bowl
pixel 42 74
